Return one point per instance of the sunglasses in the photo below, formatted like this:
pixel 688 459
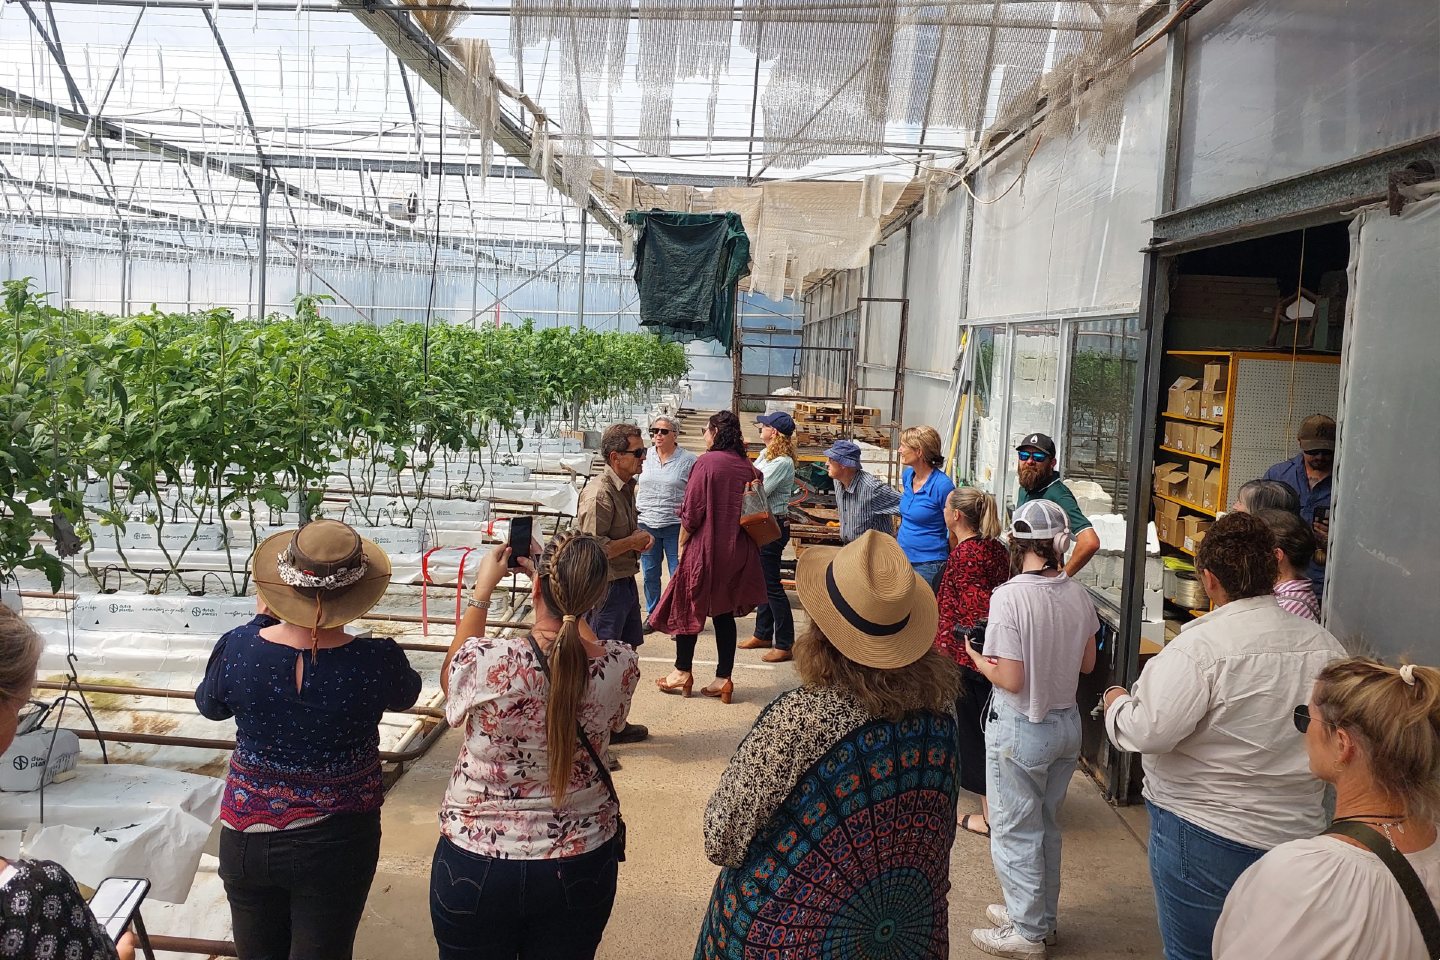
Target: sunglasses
pixel 659 432
pixel 1303 718
pixel 1036 455
pixel 638 454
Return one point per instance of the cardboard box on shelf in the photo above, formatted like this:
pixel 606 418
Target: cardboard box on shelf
pixel 1211 500
pixel 1212 405
pixel 1180 436
pixel 1167 520
pixel 1171 480
pixel 1207 442
pixel 1195 482
pixel 1183 397
pixel 1214 377
pixel 1195 529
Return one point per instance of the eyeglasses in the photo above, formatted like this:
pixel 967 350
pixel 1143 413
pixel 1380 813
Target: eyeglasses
pixel 637 454
pixel 659 432
pixel 1303 718
pixel 1319 453
pixel 1038 456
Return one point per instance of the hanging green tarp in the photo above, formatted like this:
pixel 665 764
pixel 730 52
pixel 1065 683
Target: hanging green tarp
pixel 687 266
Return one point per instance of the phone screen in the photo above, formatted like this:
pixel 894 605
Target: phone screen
pixel 116 901
pixel 521 533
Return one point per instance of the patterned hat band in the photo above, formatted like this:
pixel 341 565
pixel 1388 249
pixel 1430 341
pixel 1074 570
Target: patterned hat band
pixel 342 577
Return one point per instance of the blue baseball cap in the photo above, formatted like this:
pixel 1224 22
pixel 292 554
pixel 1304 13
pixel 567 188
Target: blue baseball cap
pixel 779 420
pixel 846 452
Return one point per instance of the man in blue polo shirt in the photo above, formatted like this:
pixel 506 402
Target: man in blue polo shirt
pixel 1039 481
pixel 1308 474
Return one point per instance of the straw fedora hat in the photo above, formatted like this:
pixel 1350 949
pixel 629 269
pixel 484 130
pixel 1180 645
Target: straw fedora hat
pixel 868 601
pixel 322 575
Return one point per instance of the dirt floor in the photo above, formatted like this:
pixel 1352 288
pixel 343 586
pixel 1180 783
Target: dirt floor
pixel 1107 910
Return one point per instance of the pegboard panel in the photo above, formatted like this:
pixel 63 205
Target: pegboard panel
pixel 1265 418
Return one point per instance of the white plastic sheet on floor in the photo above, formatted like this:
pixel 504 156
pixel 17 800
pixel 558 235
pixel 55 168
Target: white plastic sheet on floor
pixel 121 820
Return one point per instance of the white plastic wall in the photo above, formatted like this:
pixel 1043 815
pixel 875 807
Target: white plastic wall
pixel 1383 565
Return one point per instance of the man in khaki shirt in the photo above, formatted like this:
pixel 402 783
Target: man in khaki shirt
pixel 607 510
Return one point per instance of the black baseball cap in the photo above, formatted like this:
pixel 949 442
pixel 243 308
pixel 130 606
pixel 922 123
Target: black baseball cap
pixel 1039 441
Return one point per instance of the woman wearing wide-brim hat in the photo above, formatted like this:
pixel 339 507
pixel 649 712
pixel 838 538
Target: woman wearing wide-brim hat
pixel 301 810
pixel 835 817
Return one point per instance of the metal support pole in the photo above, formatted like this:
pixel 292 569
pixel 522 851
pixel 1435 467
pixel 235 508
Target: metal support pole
pixel 124 271
pixel 580 308
pixel 264 243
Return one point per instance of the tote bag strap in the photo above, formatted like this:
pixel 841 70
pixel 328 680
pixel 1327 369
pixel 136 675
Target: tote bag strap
pixel 1404 874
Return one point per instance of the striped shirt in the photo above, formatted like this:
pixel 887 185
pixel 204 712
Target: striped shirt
pixel 867 504
pixel 1297 597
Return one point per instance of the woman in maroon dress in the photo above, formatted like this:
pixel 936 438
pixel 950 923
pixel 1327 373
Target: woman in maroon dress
pixel 978 564
pixel 719 575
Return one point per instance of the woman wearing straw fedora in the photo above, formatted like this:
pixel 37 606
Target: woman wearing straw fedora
pixel 1040 638
pixel 301 810
pixel 835 817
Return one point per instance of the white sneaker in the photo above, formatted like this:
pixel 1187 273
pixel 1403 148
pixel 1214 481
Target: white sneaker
pixel 998 915
pixel 1007 942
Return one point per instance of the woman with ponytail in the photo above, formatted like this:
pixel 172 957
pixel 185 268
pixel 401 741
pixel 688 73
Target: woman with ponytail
pixel 978 564
pixel 530 828
pixel 1372 731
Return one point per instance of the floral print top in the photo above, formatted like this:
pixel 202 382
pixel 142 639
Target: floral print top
pixel 499 802
pixel 43 916
pixel 977 566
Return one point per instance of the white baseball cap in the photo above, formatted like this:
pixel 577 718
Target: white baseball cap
pixel 1038 520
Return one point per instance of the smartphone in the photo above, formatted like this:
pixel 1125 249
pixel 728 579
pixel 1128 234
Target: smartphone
pixel 521 533
pixel 115 903
pixel 1322 515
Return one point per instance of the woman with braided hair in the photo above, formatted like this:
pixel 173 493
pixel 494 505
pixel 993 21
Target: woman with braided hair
pixel 530 827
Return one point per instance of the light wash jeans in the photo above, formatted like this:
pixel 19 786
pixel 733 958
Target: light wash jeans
pixel 667 541
pixel 1028 767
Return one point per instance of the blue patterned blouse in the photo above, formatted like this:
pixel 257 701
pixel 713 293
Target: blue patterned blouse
pixel 310 752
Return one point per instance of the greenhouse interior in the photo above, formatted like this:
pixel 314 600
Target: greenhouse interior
pixel 404 264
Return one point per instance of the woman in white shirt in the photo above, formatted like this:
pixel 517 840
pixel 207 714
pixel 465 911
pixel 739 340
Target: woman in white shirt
pixel 1040 638
pixel 1224 780
pixel 1373 731
pixel 530 828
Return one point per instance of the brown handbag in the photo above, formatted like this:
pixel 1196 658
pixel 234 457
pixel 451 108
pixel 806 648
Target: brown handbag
pixel 755 516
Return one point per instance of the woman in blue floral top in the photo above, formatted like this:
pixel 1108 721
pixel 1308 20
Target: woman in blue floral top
pixel 301 809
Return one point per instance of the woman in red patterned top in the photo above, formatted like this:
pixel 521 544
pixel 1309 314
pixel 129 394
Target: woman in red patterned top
pixel 978 564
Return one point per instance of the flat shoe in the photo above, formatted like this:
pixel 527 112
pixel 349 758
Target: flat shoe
pixel 754 643
pixel 965 825
pixel 778 656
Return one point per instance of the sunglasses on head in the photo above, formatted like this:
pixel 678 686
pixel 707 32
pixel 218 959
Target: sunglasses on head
pixel 1303 718
pixel 1039 456
pixel 659 432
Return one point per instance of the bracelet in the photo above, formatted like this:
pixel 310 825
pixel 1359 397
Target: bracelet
pixel 1113 686
pixel 486 605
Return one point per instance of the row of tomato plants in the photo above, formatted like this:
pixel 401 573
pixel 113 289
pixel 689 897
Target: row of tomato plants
pixel 210 414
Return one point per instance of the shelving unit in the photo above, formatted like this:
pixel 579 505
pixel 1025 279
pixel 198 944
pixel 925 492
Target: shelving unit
pixel 1226 420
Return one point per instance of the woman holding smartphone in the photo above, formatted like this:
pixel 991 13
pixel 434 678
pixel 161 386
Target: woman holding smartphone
pixel 41 910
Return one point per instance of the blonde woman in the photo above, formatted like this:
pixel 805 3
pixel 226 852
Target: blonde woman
pixel 528 855
pixel 774 621
pixel 978 564
pixel 1373 732
pixel 924 488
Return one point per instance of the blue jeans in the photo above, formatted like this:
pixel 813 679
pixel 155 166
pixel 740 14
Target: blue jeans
pixel 1192 871
pixel 667 541
pixel 931 571
pixel 1028 767
pixel 775 620
pixel 486 908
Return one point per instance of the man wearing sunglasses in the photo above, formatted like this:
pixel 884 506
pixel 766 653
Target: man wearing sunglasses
pixel 1039 481
pixel 607 510
pixel 1308 474
pixel 659 495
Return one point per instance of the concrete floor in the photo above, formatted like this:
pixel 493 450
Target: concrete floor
pixel 1106 909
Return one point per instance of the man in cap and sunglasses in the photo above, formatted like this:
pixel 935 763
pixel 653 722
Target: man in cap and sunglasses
pixel 1040 481
pixel 607 510
pixel 1308 474
pixel 659 495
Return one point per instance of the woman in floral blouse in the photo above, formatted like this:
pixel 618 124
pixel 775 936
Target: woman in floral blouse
pixel 978 564
pixel 528 855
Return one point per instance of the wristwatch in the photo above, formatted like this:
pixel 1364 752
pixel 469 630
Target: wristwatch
pixel 486 605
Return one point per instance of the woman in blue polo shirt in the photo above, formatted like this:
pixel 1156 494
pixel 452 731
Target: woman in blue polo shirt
pixel 924 488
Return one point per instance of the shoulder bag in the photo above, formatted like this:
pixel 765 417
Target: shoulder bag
pixel 755 516
pixel 618 841
pixel 1404 874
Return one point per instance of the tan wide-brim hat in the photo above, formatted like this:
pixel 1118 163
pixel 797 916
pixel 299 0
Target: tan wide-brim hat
pixel 326 553
pixel 868 601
